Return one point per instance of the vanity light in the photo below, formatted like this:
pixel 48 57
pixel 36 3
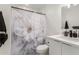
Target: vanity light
pixel 68 5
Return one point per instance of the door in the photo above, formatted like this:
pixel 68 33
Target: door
pixel 68 49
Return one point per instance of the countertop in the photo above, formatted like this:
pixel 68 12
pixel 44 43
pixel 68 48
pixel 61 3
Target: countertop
pixel 63 39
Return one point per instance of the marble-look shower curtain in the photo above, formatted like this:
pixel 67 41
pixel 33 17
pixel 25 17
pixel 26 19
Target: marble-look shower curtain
pixel 28 31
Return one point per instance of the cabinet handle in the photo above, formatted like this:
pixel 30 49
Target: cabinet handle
pixel 47 42
pixel 67 44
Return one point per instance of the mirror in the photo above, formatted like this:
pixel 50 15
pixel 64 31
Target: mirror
pixel 71 15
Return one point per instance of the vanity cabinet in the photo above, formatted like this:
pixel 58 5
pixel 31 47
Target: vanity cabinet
pixel 54 47
pixel 58 47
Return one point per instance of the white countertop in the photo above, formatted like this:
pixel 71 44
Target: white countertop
pixel 63 39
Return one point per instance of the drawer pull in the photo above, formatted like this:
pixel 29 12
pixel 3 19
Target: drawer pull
pixel 47 42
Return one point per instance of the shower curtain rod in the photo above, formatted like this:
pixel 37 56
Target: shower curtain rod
pixel 27 10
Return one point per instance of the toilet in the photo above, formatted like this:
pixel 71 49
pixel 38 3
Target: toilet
pixel 42 49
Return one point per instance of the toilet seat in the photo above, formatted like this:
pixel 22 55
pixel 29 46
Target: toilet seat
pixel 42 49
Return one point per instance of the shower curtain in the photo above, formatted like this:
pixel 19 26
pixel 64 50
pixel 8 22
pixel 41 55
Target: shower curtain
pixel 28 31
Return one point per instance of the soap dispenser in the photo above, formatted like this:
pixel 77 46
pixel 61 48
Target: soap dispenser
pixel 74 34
pixel 66 32
pixel 70 32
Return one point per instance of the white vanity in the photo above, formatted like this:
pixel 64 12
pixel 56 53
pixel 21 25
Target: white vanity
pixel 61 45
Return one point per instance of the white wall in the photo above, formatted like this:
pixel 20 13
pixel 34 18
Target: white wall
pixel 5 49
pixel 53 13
pixel 37 7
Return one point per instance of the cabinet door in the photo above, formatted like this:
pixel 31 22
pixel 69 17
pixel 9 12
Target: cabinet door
pixel 68 49
pixel 54 47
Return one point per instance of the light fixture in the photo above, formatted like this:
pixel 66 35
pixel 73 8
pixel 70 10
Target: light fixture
pixel 68 5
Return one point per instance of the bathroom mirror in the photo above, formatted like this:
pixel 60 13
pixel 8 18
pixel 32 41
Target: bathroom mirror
pixel 71 14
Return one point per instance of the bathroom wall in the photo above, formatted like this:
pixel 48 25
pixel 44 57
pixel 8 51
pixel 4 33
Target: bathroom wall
pixel 38 7
pixel 5 49
pixel 53 15
pixel 71 15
